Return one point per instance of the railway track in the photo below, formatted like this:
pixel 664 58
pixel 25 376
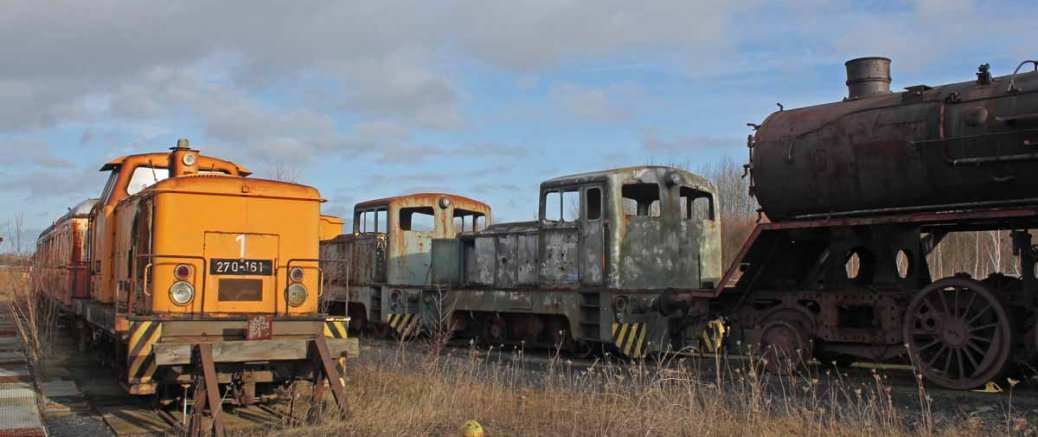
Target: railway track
pixel 19 414
pixel 94 403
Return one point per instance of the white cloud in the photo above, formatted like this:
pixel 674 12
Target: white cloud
pixel 594 104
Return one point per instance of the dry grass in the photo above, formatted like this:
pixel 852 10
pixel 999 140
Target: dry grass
pixel 399 393
pixel 34 319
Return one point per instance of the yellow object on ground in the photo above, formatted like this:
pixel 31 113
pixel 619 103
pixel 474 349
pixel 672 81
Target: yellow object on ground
pixel 472 429
pixel 990 387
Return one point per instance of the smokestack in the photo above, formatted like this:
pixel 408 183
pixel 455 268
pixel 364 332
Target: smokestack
pixel 867 77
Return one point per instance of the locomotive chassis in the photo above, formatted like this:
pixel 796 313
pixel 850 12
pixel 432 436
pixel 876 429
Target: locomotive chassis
pixel 808 304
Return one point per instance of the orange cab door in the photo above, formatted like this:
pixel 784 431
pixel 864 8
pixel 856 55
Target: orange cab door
pixel 241 276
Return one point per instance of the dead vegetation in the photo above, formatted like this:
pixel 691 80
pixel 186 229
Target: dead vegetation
pixel 35 320
pixel 400 393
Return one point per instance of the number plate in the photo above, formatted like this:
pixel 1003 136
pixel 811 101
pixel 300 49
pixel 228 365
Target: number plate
pixel 262 267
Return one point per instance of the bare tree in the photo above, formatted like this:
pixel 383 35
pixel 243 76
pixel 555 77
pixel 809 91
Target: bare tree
pixel 282 169
pixel 738 210
pixel 19 228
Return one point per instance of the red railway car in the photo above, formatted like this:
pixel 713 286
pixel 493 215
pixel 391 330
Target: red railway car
pixel 60 270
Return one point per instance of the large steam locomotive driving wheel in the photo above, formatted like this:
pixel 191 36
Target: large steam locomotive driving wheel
pixel 958 333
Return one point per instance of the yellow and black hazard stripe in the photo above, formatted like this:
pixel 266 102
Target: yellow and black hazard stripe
pixel 630 338
pixel 404 324
pixel 335 327
pixel 143 336
pixel 713 337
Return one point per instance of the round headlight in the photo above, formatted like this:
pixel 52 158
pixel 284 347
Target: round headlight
pixel 445 202
pixel 296 294
pixel 190 159
pixel 620 304
pixel 181 293
pixel 296 274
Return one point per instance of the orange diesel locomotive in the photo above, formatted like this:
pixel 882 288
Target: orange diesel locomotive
pixel 197 273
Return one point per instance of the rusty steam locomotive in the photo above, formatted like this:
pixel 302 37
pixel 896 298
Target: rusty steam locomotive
pixel 858 194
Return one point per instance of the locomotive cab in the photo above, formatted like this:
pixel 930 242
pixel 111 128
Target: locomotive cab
pixel 605 246
pixel 377 273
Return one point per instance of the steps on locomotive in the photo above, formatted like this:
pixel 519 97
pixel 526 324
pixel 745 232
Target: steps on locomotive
pixel 589 315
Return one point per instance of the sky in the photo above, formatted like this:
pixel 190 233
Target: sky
pixel 480 98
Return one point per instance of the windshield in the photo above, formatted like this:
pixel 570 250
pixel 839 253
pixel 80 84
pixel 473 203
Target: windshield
pixel 144 177
pixel 109 186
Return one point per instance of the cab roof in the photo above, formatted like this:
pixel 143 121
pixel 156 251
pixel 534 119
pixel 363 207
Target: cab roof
pixel 118 162
pixel 422 199
pixel 642 172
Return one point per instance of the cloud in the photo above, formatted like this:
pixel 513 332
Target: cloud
pixel 44 184
pixel 26 152
pixel 493 150
pixel 593 104
pixel 536 34
pixel 656 140
pixel 390 143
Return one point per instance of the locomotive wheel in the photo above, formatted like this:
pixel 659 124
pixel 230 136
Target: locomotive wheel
pixel 959 334
pixel 494 331
pixel 381 330
pixel 784 347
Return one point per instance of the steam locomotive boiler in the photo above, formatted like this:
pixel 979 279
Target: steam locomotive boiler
pixel 859 193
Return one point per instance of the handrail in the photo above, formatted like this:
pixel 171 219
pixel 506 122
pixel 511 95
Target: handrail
pixel 320 279
pixel 205 271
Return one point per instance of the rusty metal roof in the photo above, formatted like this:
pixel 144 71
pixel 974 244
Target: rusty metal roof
pixel 635 172
pixel 422 199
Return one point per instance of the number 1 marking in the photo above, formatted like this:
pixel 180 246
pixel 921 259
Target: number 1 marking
pixel 241 240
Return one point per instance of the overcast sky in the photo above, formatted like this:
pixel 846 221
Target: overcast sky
pixel 482 98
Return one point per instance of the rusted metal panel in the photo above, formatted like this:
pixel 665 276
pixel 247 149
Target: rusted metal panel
pixel 446 256
pixel 526 264
pixel 506 275
pixel 357 259
pixel 260 327
pixel 560 257
pixel 941 148
pixel 592 253
pixel 485 261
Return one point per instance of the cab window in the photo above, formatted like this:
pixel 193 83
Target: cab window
pixel 109 187
pixel 467 221
pixel 422 218
pixel 696 204
pixel 593 203
pixel 371 220
pixel 144 177
pixel 641 199
pixel 561 206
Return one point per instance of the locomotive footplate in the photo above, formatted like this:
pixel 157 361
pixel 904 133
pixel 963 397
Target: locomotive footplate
pixel 161 350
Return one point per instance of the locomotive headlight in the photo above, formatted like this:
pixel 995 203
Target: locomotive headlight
pixel 296 294
pixel 181 293
pixel 620 304
pixel 190 159
pixel 296 274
